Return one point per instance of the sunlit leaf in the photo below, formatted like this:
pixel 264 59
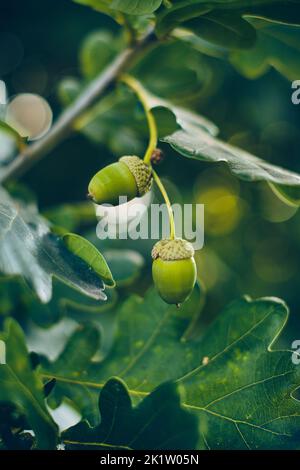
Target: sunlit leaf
pixel 223 28
pixel 182 12
pixel 84 250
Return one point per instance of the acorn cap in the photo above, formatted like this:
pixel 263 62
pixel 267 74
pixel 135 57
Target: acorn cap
pixel 171 250
pixel 141 172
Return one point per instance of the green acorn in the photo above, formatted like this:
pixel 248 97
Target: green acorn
pixel 174 269
pixel 130 177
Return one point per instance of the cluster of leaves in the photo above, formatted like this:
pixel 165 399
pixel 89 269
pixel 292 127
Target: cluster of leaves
pixel 229 389
pixel 252 34
pixel 190 134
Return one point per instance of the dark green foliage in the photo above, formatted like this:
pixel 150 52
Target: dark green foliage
pixel 157 422
pixel 135 372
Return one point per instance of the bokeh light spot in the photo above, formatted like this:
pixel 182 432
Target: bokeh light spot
pixel 30 115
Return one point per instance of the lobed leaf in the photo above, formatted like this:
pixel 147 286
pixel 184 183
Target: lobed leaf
pixel 28 248
pixel 184 11
pixel 277 45
pixel 240 389
pixel 158 422
pixel 204 147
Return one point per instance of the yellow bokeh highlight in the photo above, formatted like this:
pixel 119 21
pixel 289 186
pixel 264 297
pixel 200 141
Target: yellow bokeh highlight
pixel 222 210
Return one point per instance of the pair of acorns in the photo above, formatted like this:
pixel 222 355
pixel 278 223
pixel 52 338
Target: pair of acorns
pixel 174 268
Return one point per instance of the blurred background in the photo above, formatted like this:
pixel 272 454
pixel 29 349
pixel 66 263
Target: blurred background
pixel 252 239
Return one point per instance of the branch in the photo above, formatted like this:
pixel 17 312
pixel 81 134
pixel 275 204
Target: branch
pixel 64 125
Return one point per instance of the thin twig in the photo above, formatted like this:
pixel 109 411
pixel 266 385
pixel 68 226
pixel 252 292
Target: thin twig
pixel 64 125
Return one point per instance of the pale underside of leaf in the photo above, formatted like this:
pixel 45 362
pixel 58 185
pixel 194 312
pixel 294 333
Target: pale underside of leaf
pixel 28 248
pixel 204 147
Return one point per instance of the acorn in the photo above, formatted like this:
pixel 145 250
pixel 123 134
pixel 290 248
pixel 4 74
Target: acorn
pixel 174 269
pixel 129 177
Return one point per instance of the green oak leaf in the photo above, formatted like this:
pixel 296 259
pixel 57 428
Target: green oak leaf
pixel 158 70
pixel 271 37
pixel 126 267
pixel 117 121
pixel 130 7
pixel 10 142
pixel 201 146
pixel 185 13
pixel 78 352
pixel 96 51
pixel 101 124
pixel 86 345
pixel 185 118
pixel 30 249
pixel 136 7
pixel 86 251
pixel 65 302
pixel 22 387
pixel 223 28
pixel 197 139
pixel 232 380
pixel 278 46
pixel 157 422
